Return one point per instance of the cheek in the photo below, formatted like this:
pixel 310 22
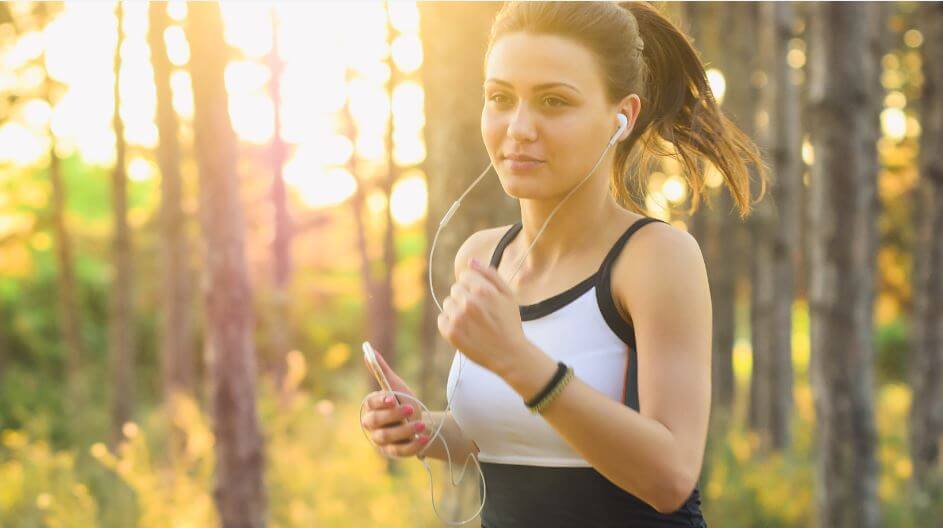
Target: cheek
pixel 492 130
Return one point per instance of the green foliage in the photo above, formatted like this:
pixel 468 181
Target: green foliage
pixel 41 486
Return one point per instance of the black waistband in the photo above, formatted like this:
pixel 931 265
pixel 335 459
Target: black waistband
pixel 521 496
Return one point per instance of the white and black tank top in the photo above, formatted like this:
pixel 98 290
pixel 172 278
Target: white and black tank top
pixel 533 477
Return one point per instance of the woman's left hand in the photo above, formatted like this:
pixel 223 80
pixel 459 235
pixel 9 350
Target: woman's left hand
pixel 482 319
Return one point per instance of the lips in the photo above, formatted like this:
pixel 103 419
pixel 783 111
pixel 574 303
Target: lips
pixel 521 157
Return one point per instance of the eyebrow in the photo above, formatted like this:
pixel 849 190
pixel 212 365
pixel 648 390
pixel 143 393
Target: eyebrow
pixel 539 86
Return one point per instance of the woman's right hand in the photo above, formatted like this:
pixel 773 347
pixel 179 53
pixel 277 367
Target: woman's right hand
pixel 395 427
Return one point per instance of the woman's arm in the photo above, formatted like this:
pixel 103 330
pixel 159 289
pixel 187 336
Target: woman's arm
pixel 656 453
pixel 460 446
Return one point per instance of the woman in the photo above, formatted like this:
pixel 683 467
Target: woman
pixel 619 299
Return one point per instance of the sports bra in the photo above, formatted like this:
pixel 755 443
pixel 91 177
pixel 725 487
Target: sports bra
pixel 581 327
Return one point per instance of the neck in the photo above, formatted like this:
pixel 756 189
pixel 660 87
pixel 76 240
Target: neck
pixel 586 210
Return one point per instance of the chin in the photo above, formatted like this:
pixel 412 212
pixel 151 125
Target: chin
pixel 524 187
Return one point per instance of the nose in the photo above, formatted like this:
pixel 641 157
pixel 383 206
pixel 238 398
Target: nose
pixel 522 126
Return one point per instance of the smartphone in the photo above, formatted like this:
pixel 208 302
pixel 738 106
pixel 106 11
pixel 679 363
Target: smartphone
pixel 371 356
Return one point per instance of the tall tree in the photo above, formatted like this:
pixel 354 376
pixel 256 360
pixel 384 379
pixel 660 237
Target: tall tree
pixel 70 325
pixel 378 280
pixel 714 226
pixel 454 40
pixel 383 310
pixel 926 419
pixel 843 238
pixel 281 242
pixel 121 339
pixel 177 336
pixel 775 231
pixel 239 491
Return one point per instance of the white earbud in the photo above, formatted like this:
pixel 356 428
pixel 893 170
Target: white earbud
pixel 623 124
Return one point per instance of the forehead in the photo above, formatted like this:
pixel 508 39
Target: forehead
pixel 526 60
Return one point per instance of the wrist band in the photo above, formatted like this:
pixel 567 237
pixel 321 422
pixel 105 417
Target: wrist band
pixel 560 378
pixel 557 376
pixel 539 408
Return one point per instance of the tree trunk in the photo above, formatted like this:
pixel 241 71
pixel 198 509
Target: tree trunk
pixel 358 208
pixel 381 307
pixel 281 243
pixel 454 39
pixel 713 224
pixel 122 316
pixel 843 235
pixel 926 419
pixel 239 491
pixel 70 325
pixel 776 231
pixel 176 346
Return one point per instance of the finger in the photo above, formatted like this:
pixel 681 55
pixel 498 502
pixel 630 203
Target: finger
pixel 385 366
pixel 448 305
pixel 444 324
pixel 491 274
pixel 375 400
pixel 460 289
pixel 398 434
pixel 476 286
pixel 408 449
pixel 387 417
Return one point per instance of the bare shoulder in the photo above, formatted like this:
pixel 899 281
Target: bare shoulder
pixel 480 245
pixel 660 257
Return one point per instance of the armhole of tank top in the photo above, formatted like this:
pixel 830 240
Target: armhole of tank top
pixel 607 305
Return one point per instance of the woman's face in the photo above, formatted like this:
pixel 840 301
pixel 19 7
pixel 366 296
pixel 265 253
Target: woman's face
pixel 544 99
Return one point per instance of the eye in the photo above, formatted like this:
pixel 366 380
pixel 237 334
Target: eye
pixel 561 101
pixel 497 98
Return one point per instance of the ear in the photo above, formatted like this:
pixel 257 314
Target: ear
pixel 630 105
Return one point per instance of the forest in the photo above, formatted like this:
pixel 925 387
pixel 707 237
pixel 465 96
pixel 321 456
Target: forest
pixel 206 208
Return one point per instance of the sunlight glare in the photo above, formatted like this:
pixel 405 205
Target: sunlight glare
pixel 319 187
pixel 674 189
pixel 248 27
pixel 177 9
pixel 408 199
pixel 182 89
pixel 178 49
pixel 139 169
pixel 894 123
pixel 20 146
pixel 718 84
pixel 404 16
pixel 407 53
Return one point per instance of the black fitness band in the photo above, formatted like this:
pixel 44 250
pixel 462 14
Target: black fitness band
pixel 557 376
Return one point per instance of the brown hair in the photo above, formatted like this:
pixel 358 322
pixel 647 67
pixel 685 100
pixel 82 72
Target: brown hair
pixel 641 51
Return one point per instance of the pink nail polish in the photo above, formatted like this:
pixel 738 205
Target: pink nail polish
pixel 408 410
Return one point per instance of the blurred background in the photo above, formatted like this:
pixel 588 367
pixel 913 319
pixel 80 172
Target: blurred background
pixel 205 208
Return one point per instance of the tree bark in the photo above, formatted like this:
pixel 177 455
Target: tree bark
pixel 776 230
pixel 720 232
pixel 843 235
pixel 70 320
pixel 926 417
pixel 281 243
pixel 239 493
pixel 383 311
pixel 122 308
pixel 454 39
pixel 177 336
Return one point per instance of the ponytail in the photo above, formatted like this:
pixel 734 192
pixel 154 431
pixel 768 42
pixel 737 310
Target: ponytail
pixel 678 108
